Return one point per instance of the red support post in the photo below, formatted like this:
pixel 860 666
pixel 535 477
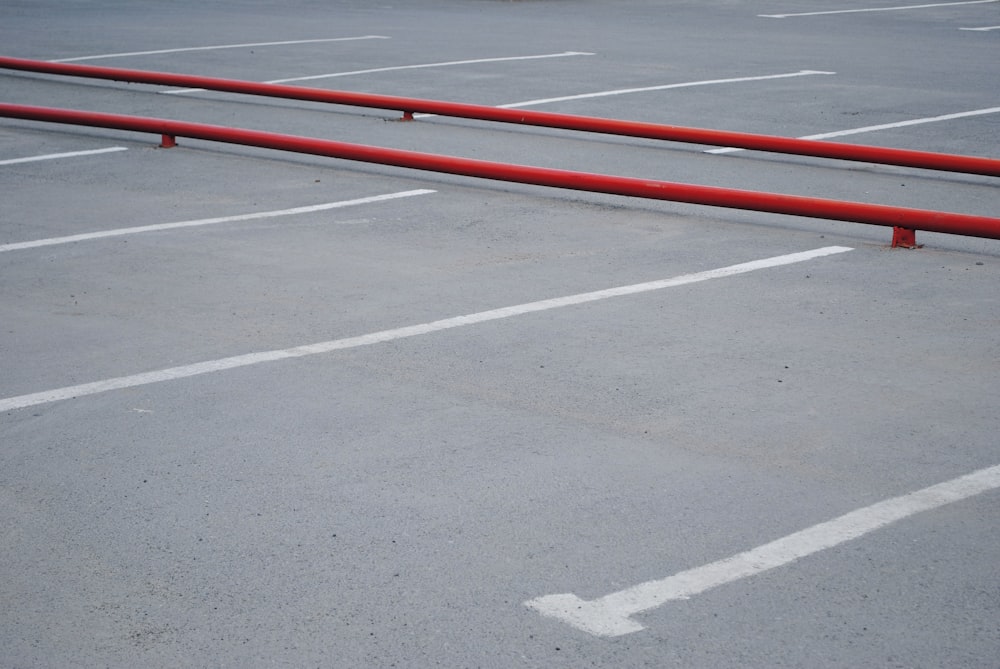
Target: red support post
pixel 794 205
pixel 904 238
pixel 168 141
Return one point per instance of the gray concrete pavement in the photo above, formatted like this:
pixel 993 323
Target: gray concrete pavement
pixel 396 503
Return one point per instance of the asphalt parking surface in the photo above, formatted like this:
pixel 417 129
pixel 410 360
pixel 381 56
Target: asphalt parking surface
pixel 183 484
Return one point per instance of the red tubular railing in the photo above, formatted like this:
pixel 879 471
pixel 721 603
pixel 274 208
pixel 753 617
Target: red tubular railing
pixel 900 217
pixel 806 147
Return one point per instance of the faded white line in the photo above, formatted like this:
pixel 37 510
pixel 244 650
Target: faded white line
pixel 983 29
pixel 884 126
pixel 249 359
pixel 663 87
pixel 56 156
pixel 101 234
pixel 626 91
pixel 876 9
pixel 610 615
pixel 220 46
pixel 312 77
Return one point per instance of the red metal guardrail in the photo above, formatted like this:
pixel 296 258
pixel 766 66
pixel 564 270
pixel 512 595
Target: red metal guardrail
pixel 409 106
pixel 900 218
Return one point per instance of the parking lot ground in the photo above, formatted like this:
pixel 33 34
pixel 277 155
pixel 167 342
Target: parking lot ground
pixel 267 409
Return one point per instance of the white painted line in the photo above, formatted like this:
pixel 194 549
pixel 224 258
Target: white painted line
pixel 984 28
pixel 564 54
pixel 55 156
pixel 876 9
pixel 221 46
pixel 884 126
pixel 625 91
pixel 249 359
pixel 610 615
pixel 101 234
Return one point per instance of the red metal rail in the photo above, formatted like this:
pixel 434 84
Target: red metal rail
pixel 899 217
pixel 770 143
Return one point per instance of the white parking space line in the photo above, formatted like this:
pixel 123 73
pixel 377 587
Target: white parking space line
pixel 220 46
pixel 172 373
pixel 625 91
pixel 101 234
pixel 663 87
pixel 877 9
pixel 884 126
pixel 313 77
pixel 983 29
pixel 56 156
pixel 610 615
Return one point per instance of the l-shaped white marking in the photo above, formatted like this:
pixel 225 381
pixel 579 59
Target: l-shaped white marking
pixel 611 615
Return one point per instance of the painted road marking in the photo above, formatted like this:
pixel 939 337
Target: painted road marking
pixel 610 615
pixel 877 9
pixel 55 156
pixel 564 54
pixel 221 46
pixel 624 91
pixel 101 234
pixel 984 28
pixel 172 373
pixel 884 126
